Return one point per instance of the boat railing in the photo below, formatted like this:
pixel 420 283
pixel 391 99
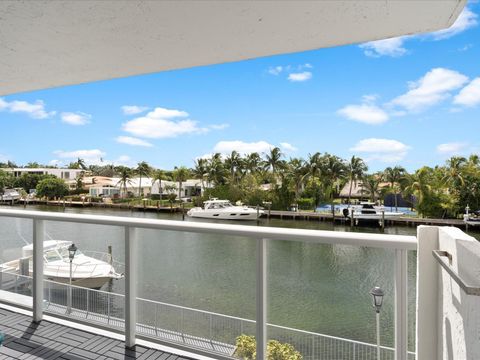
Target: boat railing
pixel 132 307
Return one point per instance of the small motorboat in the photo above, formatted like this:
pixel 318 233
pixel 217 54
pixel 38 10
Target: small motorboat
pixel 369 212
pixel 10 195
pixel 87 271
pixel 471 218
pixel 224 210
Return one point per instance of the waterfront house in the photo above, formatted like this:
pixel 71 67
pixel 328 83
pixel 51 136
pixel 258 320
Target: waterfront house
pixel 65 174
pixel 58 43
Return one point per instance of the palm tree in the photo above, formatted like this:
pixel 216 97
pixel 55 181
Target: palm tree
pixel 333 169
pixel 158 175
pixel 142 170
pixel 125 175
pixel 371 184
pixel 355 170
pixel 419 185
pixel 232 163
pixel 314 170
pixel 297 171
pixel 200 170
pixel 253 162
pixel 216 169
pixel 180 174
pixel 454 171
pixel 274 160
pixel 394 176
pixel 81 164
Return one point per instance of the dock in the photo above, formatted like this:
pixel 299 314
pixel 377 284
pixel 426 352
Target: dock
pixel 339 218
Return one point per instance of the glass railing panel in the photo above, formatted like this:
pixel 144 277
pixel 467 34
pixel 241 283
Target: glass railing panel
pixel 320 303
pixel 15 264
pixel 196 289
pixel 97 291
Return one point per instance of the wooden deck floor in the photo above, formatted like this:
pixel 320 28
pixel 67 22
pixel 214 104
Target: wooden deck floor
pixel 29 341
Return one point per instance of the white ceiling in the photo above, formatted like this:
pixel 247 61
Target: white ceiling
pixel 46 44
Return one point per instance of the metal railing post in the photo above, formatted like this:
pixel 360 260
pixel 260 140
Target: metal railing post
pixel 38 239
pixel 130 286
pixel 401 304
pixel 88 302
pixel 261 317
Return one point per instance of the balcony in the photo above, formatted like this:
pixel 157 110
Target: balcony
pixel 202 332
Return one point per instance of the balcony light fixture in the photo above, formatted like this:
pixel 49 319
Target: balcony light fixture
pixel 377 294
pixel 72 249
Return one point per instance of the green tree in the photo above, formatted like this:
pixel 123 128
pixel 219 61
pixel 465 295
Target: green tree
pixel 371 185
pixel 394 176
pixel 180 175
pixel 158 175
pixel 52 188
pixel 142 170
pixel 356 167
pixel 125 175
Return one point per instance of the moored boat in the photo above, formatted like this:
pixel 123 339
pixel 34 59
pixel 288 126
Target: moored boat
pixel 369 212
pixel 224 210
pixel 471 218
pixel 87 271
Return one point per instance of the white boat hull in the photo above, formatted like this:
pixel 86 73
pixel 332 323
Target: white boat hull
pixel 91 283
pixel 240 215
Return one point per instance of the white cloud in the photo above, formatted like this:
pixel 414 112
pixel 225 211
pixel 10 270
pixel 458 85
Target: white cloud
pixel 3 104
pixel 133 109
pixel 90 156
pixel 298 77
pixel 77 118
pixel 55 162
pixel 385 150
pixel 469 95
pixel 287 146
pixel 226 147
pixel 133 141
pixel 434 87
pixel 276 70
pixel 466 20
pixel 161 123
pixel 453 148
pixel 34 110
pixel 388 47
pixel 365 113
pixel 219 126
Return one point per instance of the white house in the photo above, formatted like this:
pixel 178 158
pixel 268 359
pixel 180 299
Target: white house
pixel 66 174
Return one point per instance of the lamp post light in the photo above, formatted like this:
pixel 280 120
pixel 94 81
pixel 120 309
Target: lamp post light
pixel 72 249
pixel 377 294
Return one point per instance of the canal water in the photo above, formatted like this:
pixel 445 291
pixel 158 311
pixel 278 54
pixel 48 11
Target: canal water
pixel 318 288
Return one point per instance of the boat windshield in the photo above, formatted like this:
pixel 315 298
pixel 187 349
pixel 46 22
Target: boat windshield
pixel 52 255
pixel 221 205
pixel 64 252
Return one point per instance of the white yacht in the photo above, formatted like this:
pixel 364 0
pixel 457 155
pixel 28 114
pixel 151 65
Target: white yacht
pixel 10 195
pixel 472 219
pixel 368 211
pixel 87 271
pixel 224 210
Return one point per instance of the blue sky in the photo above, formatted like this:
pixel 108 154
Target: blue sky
pixel 411 101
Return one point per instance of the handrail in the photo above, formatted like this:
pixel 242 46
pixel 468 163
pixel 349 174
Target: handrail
pixel 469 289
pixel 401 242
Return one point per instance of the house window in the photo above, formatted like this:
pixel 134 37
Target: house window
pixel 67 175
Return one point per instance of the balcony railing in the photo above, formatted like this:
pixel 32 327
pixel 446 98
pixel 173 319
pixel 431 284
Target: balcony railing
pixel 123 311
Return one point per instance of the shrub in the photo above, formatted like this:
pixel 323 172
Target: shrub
pixel 306 203
pixel 246 349
pixel 51 188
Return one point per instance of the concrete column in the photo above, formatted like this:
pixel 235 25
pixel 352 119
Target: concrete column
pixel 130 286
pixel 38 239
pixel 427 293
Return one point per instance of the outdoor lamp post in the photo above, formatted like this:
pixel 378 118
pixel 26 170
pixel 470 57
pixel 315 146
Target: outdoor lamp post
pixel 377 294
pixel 72 249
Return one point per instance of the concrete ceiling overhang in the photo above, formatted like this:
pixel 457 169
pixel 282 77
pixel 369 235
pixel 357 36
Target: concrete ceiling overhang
pixel 46 44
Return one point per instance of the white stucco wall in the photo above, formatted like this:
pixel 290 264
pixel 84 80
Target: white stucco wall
pixel 448 320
